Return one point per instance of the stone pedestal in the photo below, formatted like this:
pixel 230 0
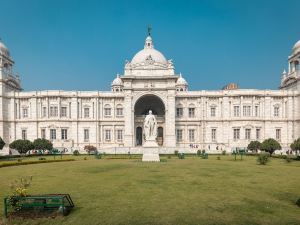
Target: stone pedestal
pixel 150 151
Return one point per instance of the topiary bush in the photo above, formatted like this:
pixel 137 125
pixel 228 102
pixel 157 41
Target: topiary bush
pixel 223 152
pixel 263 158
pixel 199 153
pixel 181 155
pixel 176 152
pixel 76 152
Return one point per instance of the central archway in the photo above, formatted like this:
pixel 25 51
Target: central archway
pixel 141 109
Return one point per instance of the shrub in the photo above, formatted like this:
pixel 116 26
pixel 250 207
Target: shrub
pixel 22 146
pixel 42 158
pixel 2 143
pixel 296 145
pixel 203 152
pixel 270 145
pixel 288 159
pixel 263 158
pixel 223 152
pixel 181 155
pixel 42 144
pixel 199 153
pixel 176 152
pixel 298 202
pixel 90 148
pixel 76 152
pixel 218 158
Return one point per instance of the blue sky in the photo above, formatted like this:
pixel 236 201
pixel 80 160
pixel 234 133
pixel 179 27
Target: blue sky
pixel 82 45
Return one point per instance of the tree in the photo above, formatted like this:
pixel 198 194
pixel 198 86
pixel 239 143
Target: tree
pixel 22 146
pixel 90 148
pixel 254 145
pixel 295 146
pixel 270 145
pixel 42 144
pixel 2 143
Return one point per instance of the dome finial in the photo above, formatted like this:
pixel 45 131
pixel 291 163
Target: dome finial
pixel 149 30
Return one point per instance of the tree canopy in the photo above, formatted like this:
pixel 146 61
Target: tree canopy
pixel 296 145
pixel 270 145
pixel 254 145
pixel 22 146
pixel 42 144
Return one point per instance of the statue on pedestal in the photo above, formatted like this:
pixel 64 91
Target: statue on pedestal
pixel 150 127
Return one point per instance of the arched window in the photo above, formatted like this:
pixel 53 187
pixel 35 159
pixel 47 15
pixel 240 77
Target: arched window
pixel 119 110
pixel 297 66
pixel 107 110
pixel 179 111
pixel 276 111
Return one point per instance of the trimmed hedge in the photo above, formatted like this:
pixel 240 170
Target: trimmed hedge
pixel 6 164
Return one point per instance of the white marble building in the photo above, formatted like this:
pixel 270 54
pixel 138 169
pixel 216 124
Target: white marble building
pixel 187 120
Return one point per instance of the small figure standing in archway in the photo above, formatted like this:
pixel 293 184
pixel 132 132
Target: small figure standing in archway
pixel 150 127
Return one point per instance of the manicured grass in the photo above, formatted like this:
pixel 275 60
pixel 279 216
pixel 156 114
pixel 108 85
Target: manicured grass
pixel 189 191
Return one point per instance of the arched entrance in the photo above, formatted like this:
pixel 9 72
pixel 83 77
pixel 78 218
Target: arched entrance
pixel 141 109
pixel 139 136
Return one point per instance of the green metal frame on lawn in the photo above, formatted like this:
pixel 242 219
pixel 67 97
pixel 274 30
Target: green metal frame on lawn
pixel 44 202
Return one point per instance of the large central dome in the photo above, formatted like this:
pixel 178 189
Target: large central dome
pixel 149 54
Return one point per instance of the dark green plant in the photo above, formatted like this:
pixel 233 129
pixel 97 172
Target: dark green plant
pixel 199 153
pixel 42 144
pixel 295 146
pixel 2 143
pixel 176 152
pixel 298 202
pixel 263 158
pixel 218 158
pixel 254 146
pixel 203 151
pixel 223 152
pixel 76 152
pixel 288 159
pixel 270 145
pixel 42 158
pixel 181 155
pixel 22 146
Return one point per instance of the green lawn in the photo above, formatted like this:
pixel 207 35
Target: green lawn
pixel 189 191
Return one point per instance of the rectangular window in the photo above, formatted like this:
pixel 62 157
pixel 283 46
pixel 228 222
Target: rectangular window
pixel 257 134
pixel 278 134
pixel 43 133
pixel 248 134
pixel 52 134
pixel 44 112
pixel 236 133
pixel 246 110
pixel 191 112
pixel 86 133
pixel 107 111
pixel 119 111
pixel 63 111
pixel 276 111
pixel 119 135
pixel 236 111
pixel 53 111
pixel 86 112
pixel 191 135
pixel 107 135
pixel 213 111
pixel 24 134
pixel 178 135
pixel 64 134
pixel 214 134
pixel 179 112
pixel 256 111
pixel 25 112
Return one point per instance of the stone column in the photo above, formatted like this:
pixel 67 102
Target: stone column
pixel 170 139
pixel 129 120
